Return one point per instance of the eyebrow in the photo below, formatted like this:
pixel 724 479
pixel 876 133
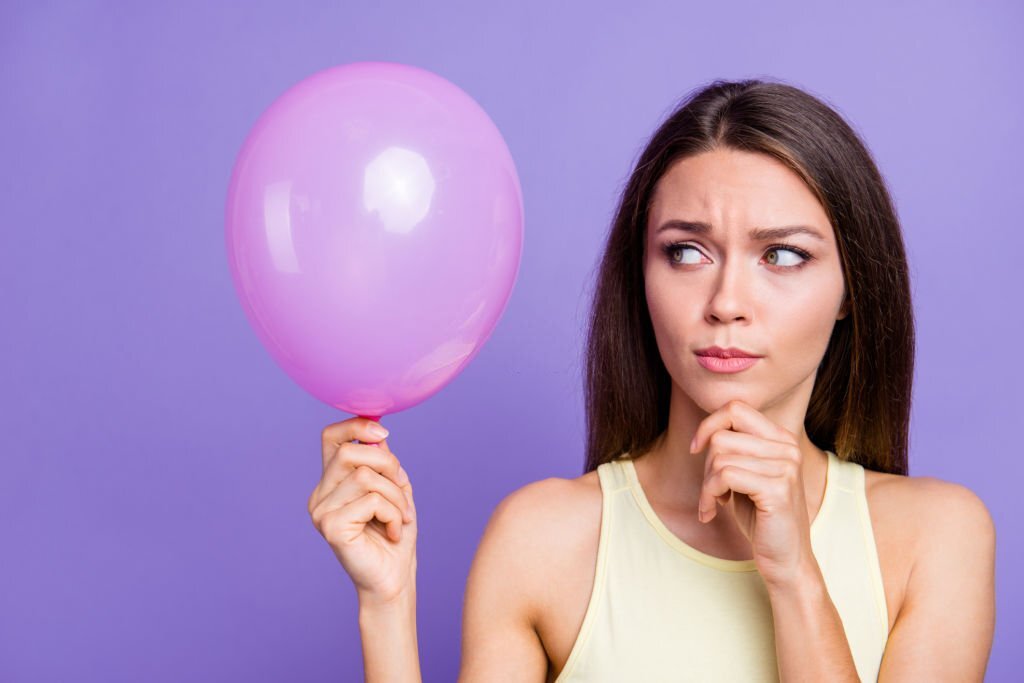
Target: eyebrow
pixel 757 234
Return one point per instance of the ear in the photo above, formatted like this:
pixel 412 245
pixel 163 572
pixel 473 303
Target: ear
pixel 844 310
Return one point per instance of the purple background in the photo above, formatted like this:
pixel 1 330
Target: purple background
pixel 155 461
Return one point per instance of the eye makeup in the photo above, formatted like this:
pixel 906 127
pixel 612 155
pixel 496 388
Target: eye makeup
pixel 671 247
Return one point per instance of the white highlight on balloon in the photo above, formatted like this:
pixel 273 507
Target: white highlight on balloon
pixel 277 222
pixel 399 186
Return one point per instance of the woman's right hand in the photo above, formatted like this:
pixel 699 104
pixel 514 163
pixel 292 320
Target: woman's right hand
pixel 359 507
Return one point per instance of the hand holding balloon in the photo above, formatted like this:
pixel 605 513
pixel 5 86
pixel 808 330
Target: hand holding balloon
pixel 363 507
pixel 374 228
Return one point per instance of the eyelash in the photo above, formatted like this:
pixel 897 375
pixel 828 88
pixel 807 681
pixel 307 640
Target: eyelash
pixel 669 248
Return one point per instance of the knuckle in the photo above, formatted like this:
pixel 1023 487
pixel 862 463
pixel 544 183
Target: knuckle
pixel 334 431
pixel 793 468
pixel 344 453
pixel 363 475
pixel 326 433
pixel 329 524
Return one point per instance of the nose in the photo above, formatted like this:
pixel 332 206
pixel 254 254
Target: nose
pixel 729 298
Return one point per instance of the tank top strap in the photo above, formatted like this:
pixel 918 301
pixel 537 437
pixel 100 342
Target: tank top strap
pixel 613 476
pixel 844 545
pixel 847 476
pixel 844 498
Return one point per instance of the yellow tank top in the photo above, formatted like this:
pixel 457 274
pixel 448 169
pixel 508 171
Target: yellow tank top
pixel 661 610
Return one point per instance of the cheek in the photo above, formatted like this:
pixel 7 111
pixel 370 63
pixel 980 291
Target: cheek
pixel 674 319
pixel 669 310
pixel 799 330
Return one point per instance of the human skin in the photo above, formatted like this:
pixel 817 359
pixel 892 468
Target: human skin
pixel 729 290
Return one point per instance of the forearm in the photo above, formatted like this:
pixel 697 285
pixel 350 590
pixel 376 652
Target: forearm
pixel 810 643
pixel 390 647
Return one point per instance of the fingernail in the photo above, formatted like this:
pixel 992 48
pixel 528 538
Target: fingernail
pixel 693 442
pixel 378 431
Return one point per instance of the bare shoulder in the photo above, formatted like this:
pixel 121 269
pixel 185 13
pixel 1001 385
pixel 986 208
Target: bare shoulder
pixel 951 513
pixel 553 502
pixel 930 508
pixel 554 511
pixel 919 521
pixel 557 523
pixel 946 617
pixel 518 565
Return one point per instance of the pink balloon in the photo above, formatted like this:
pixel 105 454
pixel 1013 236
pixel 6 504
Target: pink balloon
pixel 374 229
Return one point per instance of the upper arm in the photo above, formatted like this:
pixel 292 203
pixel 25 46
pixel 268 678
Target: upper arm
pixel 499 640
pixel 945 626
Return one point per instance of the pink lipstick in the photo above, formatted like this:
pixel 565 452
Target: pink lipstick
pixel 717 359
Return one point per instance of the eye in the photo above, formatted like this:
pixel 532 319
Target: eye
pixel 669 249
pixel 775 249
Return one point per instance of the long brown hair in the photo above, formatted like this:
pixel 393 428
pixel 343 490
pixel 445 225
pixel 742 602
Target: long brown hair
pixel 860 404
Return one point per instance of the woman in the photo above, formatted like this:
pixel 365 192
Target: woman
pixel 739 518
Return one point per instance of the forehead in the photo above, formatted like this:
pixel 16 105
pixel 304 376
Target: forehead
pixel 732 188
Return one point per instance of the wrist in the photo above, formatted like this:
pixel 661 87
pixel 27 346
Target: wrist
pixel 402 601
pixel 387 628
pixel 805 579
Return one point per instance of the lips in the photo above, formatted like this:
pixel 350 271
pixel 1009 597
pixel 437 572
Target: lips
pixel 731 352
pixel 716 364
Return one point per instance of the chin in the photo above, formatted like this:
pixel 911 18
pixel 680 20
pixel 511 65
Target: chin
pixel 710 395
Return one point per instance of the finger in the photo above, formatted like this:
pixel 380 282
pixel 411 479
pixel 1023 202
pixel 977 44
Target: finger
pixel 741 417
pixel 354 455
pixel 360 483
pixel 345 484
pixel 345 523
pixel 351 455
pixel 726 441
pixel 709 495
pixel 736 480
pixel 333 435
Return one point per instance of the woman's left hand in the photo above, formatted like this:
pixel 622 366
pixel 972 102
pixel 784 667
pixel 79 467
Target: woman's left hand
pixel 753 466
